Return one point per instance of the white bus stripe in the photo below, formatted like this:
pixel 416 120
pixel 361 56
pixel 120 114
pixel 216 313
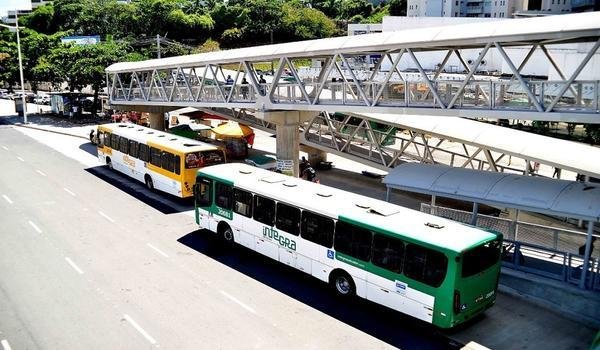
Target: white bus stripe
pixel 7 199
pixel 106 216
pixel 21 159
pixel 80 271
pixel 5 344
pixel 157 250
pixel 235 300
pixel 40 172
pixel 139 329
pixel 35 226
pixel 69 191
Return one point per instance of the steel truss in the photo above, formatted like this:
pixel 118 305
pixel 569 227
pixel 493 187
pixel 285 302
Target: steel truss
pixel 336 86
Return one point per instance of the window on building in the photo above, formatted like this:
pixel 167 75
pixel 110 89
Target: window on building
pixel 242 202
pixel 288 219
pixel 353 240
pixel 223 195
pixel 264 210
pixel 317 229
pixel 388 253
pixel 425 265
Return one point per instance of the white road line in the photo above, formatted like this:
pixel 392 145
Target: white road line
pixel 35 226
pixel 157 250
pixel 80 271
pixel 139 329
pixel 69 191
pixel 5 148
pixel 40 172
pixel 235 300
pixel 21 159
pixel 5 344
pixel 106 216
pixel 7 199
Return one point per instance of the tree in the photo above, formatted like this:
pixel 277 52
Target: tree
pixel 352 8
pixel 397 7
pixel 301 23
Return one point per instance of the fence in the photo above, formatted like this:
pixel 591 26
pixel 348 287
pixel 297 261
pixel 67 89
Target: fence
pixel 542 250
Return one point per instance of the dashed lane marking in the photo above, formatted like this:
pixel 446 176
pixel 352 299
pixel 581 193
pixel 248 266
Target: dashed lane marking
pixel 106 216
pixel 7 199
pixel 75 267
pixel 40 172
pixel 69 191
pixel 5 344
pixel 35 227
pixel 235 300
pixel 157 250
pixel 139 329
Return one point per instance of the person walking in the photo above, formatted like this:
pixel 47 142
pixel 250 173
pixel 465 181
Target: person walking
pixel 309 173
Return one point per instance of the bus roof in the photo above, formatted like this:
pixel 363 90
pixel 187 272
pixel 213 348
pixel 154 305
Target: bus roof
pixel 362 210
pixel 147 135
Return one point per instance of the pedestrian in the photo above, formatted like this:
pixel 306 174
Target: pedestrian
pixel 536 167
pixel 303 164
pixel 244 88
pixel 229 81
pixel 581 250
pixel 261 79
pixel 557 172
pixel 92 140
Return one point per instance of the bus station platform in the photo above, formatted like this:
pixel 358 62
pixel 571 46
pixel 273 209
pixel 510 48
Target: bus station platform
pixel 515 322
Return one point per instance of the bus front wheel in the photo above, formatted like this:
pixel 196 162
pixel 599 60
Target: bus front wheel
pixel 342 284
pixel 226 234
pixel 149 183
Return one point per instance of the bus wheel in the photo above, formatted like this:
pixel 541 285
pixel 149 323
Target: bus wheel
pixel 149 182
pixel 109 164
pixel 342 284
pixel 226 234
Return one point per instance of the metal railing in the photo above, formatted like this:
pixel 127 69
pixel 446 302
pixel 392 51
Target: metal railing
pixel 542 250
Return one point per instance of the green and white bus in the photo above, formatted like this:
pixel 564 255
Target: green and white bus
pixel 434 269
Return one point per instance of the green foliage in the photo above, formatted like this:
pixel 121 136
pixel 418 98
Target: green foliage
pixel 378 14
pixel 352 8
pixel 397 7
pixel 592 132
pixel 305 23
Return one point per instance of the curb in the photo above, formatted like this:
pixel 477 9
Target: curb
pixel 49 130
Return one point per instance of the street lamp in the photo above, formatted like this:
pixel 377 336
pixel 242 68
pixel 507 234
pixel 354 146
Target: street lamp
pixel 20 65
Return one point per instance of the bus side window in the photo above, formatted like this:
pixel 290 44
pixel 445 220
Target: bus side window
pixel 167 161
pixel 223 194
pixel 288 219
pixel 154 156
pixel 317 228
pixel 425 265
pixel 388 253
pixel 143 152
pixel 353 240
pixel 123 145
pixel 264 210
pixel 114 141
pixel 202 192
pixel 133 149
pixel 177 165
pixel 242 202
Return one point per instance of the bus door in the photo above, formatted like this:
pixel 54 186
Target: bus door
pixel 203 197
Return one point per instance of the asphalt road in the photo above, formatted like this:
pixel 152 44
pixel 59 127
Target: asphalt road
pixel 91 260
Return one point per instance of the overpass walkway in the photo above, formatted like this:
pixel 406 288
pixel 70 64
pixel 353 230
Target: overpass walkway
pixel 199 80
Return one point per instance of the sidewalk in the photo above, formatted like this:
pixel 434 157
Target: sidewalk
pixel 513 323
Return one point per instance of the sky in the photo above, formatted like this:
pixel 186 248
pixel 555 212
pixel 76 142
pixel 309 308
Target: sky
pixel 6 5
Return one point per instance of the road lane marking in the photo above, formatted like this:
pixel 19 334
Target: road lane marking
pixel 40 172
pixel 157 250
pixel 80 271
pixel 5 148
pixel 35 226
pixel 69 191
pixel 235 300
pixel 5 344
pixel 139 329
pixel 21 159
pixel 106 216
pixel 7 199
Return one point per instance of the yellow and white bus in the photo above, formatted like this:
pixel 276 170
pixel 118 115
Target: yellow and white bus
pixel 162 161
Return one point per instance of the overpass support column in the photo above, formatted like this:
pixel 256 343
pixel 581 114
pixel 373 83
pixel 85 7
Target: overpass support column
pixel 288 137
pixel 157 120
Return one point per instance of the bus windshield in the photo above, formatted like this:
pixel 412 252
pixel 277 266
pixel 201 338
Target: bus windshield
pixel 204 158
pixel 480 258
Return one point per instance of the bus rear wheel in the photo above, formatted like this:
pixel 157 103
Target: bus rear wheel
pixel 342 284
pixel 149 182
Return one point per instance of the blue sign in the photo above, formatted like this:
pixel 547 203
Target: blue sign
pixel 330 253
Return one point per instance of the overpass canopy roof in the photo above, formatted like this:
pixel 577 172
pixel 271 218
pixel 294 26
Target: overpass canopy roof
pixel 568 155
pixel 550 29
pixel 541 195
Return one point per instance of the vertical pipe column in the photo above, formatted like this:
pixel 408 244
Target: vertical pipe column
pixel 586 257
pixel 157 121
pixel 288 148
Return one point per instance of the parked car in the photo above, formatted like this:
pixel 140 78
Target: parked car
pixel 42 100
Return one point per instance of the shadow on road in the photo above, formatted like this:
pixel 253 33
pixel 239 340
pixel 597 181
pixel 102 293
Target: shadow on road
pixel 385 324
pixel 89 148
pixel 162 202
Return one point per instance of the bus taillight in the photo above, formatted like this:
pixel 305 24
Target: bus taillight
pixel 456 301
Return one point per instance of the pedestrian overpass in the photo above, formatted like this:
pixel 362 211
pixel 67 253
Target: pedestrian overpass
pixel 340 85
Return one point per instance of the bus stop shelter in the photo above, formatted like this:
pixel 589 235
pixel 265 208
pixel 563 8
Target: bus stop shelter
pixel 570 199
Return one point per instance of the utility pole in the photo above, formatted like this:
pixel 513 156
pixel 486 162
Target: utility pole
pixel 158 45
pixel 21 69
